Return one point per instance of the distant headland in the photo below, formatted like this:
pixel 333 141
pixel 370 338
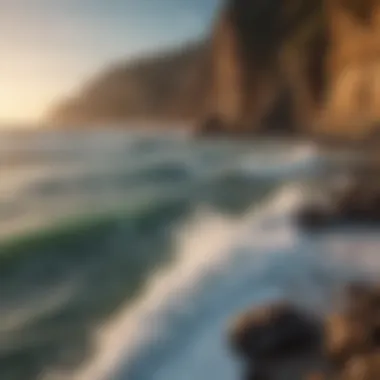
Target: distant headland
pixel 279 66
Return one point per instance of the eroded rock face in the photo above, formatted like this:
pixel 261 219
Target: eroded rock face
pixel 323 53
pixel 259 55
pixel 309 67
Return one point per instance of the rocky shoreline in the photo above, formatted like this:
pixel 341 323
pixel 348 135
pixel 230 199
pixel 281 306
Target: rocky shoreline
pixel 356 203
pixel 280 341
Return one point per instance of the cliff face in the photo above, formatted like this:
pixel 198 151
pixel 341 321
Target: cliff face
pixel 290 66
pixel 353 94
pixel 267 60
pixel 165 87
pixel 298 66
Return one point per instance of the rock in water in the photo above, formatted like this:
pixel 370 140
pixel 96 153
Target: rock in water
pixel 313 217
pixel 358 203
pixel 273 331
pixel 212 127
pixel 281 342
pixel 275 336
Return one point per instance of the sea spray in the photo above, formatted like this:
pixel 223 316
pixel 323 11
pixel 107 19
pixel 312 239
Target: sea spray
pixel 221 264
pixel 220 267
pixel 175 329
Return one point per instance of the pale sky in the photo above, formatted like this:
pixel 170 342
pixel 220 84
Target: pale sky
pixel 48 48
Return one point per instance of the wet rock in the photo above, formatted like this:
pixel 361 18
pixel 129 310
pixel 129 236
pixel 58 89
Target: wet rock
pixel 315 376
pixel 352 336
pixel 280 342
pixel 363 301
pixel 253 373
pixel 355 330
pixel 213 126
pixel 361 203
pixel 273 331
pixel 363 367
pixel 315 217
pixel 358 203
pixel 344 338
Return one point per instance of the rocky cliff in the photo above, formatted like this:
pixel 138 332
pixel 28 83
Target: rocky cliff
pixel 167 87
pixel 299 66
pixel 267 59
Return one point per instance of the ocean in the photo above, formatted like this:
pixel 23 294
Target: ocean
pixel 124 255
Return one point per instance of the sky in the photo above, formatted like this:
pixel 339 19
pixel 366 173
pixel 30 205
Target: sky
pixel 49 48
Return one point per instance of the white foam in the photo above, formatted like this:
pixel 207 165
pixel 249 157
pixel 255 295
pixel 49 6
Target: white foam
pixel 223 265
pixel 206 247
pixel 286 163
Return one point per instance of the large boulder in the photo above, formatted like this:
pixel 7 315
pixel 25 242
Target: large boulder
pixel 282 342
pixel 273 331
pixel 271 339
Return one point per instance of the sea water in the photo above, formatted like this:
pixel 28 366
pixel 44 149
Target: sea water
pixel 124 255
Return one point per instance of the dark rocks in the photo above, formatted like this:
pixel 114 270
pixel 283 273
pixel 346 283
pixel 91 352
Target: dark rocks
pixel 362 367
pixel 358 203
pixel 315 217
pixel 277 333
pixel 281 342
pixel 361 203
pixel 352 344
pixel 315 376
pixel 213 126
pixel 273 331
pixel 354 332
pixel 345 337
pixel 363 301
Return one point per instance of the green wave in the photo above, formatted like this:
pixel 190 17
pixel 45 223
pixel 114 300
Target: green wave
pixel 69 234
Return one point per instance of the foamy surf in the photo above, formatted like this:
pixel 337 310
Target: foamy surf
pixel 176 327
pixel 296 162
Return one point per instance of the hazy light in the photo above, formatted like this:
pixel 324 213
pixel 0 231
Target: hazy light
pixel 50 47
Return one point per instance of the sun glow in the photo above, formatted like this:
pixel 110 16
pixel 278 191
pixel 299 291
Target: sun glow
pixel 49 48
pixel 18 107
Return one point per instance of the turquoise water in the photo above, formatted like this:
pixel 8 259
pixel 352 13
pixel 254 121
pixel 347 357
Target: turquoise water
pixel 123 255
